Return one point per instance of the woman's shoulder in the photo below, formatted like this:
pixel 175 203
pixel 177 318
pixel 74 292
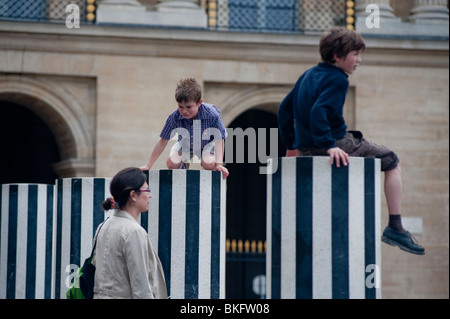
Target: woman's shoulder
pixel 125 222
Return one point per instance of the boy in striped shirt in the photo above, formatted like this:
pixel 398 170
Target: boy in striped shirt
pixel 200 131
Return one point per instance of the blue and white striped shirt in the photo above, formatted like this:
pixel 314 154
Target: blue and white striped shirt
pixel 206 127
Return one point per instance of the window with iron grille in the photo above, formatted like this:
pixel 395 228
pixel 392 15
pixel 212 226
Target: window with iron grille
pixel 48 10
pixel 279 15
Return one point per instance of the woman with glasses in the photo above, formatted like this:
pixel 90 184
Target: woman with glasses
pixel 126 264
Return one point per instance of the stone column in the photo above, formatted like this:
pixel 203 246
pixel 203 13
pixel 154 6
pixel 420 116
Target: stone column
pixel 386 11
pixel 177 4
pixel 120 11
pixel 376 16
pixel 27 223
pixel 429 18
pixel 185 13
pixel 186 224
pixel 430 11
pixel 180 13
pixel 323 229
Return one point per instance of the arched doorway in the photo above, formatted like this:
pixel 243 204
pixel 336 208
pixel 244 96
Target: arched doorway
pixel 246 208
pixel 29 148
pixel 71 121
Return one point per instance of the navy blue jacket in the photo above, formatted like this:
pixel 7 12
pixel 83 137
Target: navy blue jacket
pixel 311 115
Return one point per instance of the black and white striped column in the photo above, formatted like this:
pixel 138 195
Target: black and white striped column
pixel 47 232
pixel 186 224
pixel 26 241
pixel 78 214
pixel 323 229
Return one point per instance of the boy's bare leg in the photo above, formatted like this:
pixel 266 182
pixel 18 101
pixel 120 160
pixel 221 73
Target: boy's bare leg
pixel 393 190
pixel 208 161
pixel 394 234
pixel 175 160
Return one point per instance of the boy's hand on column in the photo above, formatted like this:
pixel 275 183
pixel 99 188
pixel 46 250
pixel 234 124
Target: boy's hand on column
pixel 337 155
pixel 221 168
pixel 293 153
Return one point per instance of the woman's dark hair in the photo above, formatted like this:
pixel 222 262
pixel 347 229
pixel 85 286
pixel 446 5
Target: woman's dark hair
pixel 128 179
pixel 340 41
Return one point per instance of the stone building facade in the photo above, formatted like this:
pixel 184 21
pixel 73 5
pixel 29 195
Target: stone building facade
pixel 106 88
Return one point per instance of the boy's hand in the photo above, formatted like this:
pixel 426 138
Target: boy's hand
pixel 338 155
pixel 144 168
pixel 221 168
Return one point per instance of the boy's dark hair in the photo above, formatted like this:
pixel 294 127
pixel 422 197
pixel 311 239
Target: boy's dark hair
pixel 188 90
pixel 340 41
pixel 128 179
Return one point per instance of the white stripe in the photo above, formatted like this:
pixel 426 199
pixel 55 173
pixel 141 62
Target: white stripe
pixel 322 256
pixel 356 239
pixel 153 208
pixel 40 241
pixel 204 236
pixel 65 234
pixel 269 230
pixel 288 228
pixel 4 240
pixel 178 238
pixel 54 231
pixel 378 224
pixel 87 218
pixel 21 247
pixel 223 223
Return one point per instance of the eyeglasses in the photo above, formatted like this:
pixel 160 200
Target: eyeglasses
pixel 143 190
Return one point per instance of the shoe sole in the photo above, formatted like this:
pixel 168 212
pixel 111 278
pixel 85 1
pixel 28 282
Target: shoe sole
pixel 388 241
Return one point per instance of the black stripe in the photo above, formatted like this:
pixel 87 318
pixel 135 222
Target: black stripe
pixel 304 215
pixel 276 231
pixel 192 233
pixel 75 222
pixel 144 220
pixel 339 222
pixel 49 242
pixel 369 220
pixel 12 242
pixel 215 234
pixel 98 198
pixel 165 223
pixel 144 215
pixel 30 286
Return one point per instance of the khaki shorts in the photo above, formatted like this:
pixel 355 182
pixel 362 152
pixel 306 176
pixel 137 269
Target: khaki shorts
pixel 354 144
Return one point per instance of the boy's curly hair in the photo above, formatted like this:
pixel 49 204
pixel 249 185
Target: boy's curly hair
pixel 188 90
pixel 340 41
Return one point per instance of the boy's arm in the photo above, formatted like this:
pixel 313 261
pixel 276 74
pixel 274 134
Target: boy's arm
pixel 156 153
pixel 329 103
pixel 219 149
pixel 286 121
pixel 328 106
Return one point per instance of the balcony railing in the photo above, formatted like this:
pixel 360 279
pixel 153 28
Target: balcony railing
pixel 45 10
pixel 228 15
pixel 276 15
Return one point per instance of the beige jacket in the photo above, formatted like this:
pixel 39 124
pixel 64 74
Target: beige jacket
pixel 126 264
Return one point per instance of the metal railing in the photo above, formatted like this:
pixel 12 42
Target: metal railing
pixel 246 269
pixel 276 15
pixel 46 10
pixel 229 15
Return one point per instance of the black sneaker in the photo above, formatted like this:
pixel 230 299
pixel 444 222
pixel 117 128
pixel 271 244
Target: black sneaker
pixel 405 241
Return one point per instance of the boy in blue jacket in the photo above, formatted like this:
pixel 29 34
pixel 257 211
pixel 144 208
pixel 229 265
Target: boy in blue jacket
pixel 311 122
